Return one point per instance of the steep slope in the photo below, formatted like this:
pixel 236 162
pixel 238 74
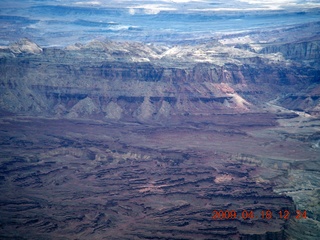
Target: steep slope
pixel 148 82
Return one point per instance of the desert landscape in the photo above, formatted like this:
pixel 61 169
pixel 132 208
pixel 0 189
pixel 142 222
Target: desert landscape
pixel 213 138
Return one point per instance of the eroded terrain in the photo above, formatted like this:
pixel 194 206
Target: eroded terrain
pixel 127 140
pixel 77 179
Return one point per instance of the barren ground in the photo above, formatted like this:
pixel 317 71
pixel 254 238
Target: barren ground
pixel 77 179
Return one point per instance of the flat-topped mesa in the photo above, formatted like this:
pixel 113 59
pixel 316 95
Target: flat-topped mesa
pixel 134 81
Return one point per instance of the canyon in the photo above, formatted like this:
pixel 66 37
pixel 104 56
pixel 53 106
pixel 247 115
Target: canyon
pixel 130 140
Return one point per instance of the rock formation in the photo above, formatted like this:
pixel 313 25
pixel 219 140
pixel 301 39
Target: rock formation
pixel 125 140
pixel 144 80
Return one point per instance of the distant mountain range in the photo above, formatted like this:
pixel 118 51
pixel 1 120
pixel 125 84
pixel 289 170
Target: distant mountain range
pixel 56 23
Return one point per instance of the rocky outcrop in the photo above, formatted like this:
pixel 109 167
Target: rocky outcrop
pixel 84 107
pixel 305 50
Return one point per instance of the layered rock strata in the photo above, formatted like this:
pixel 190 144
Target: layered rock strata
pixel 133 81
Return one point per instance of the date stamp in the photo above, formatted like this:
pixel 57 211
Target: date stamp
pixel 263 214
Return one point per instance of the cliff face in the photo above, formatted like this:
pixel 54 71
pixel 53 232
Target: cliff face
pixel 135 81
pixel 302 50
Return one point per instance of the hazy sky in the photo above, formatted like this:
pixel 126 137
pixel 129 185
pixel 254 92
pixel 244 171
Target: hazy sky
pixel 155 6
pixel 56 22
